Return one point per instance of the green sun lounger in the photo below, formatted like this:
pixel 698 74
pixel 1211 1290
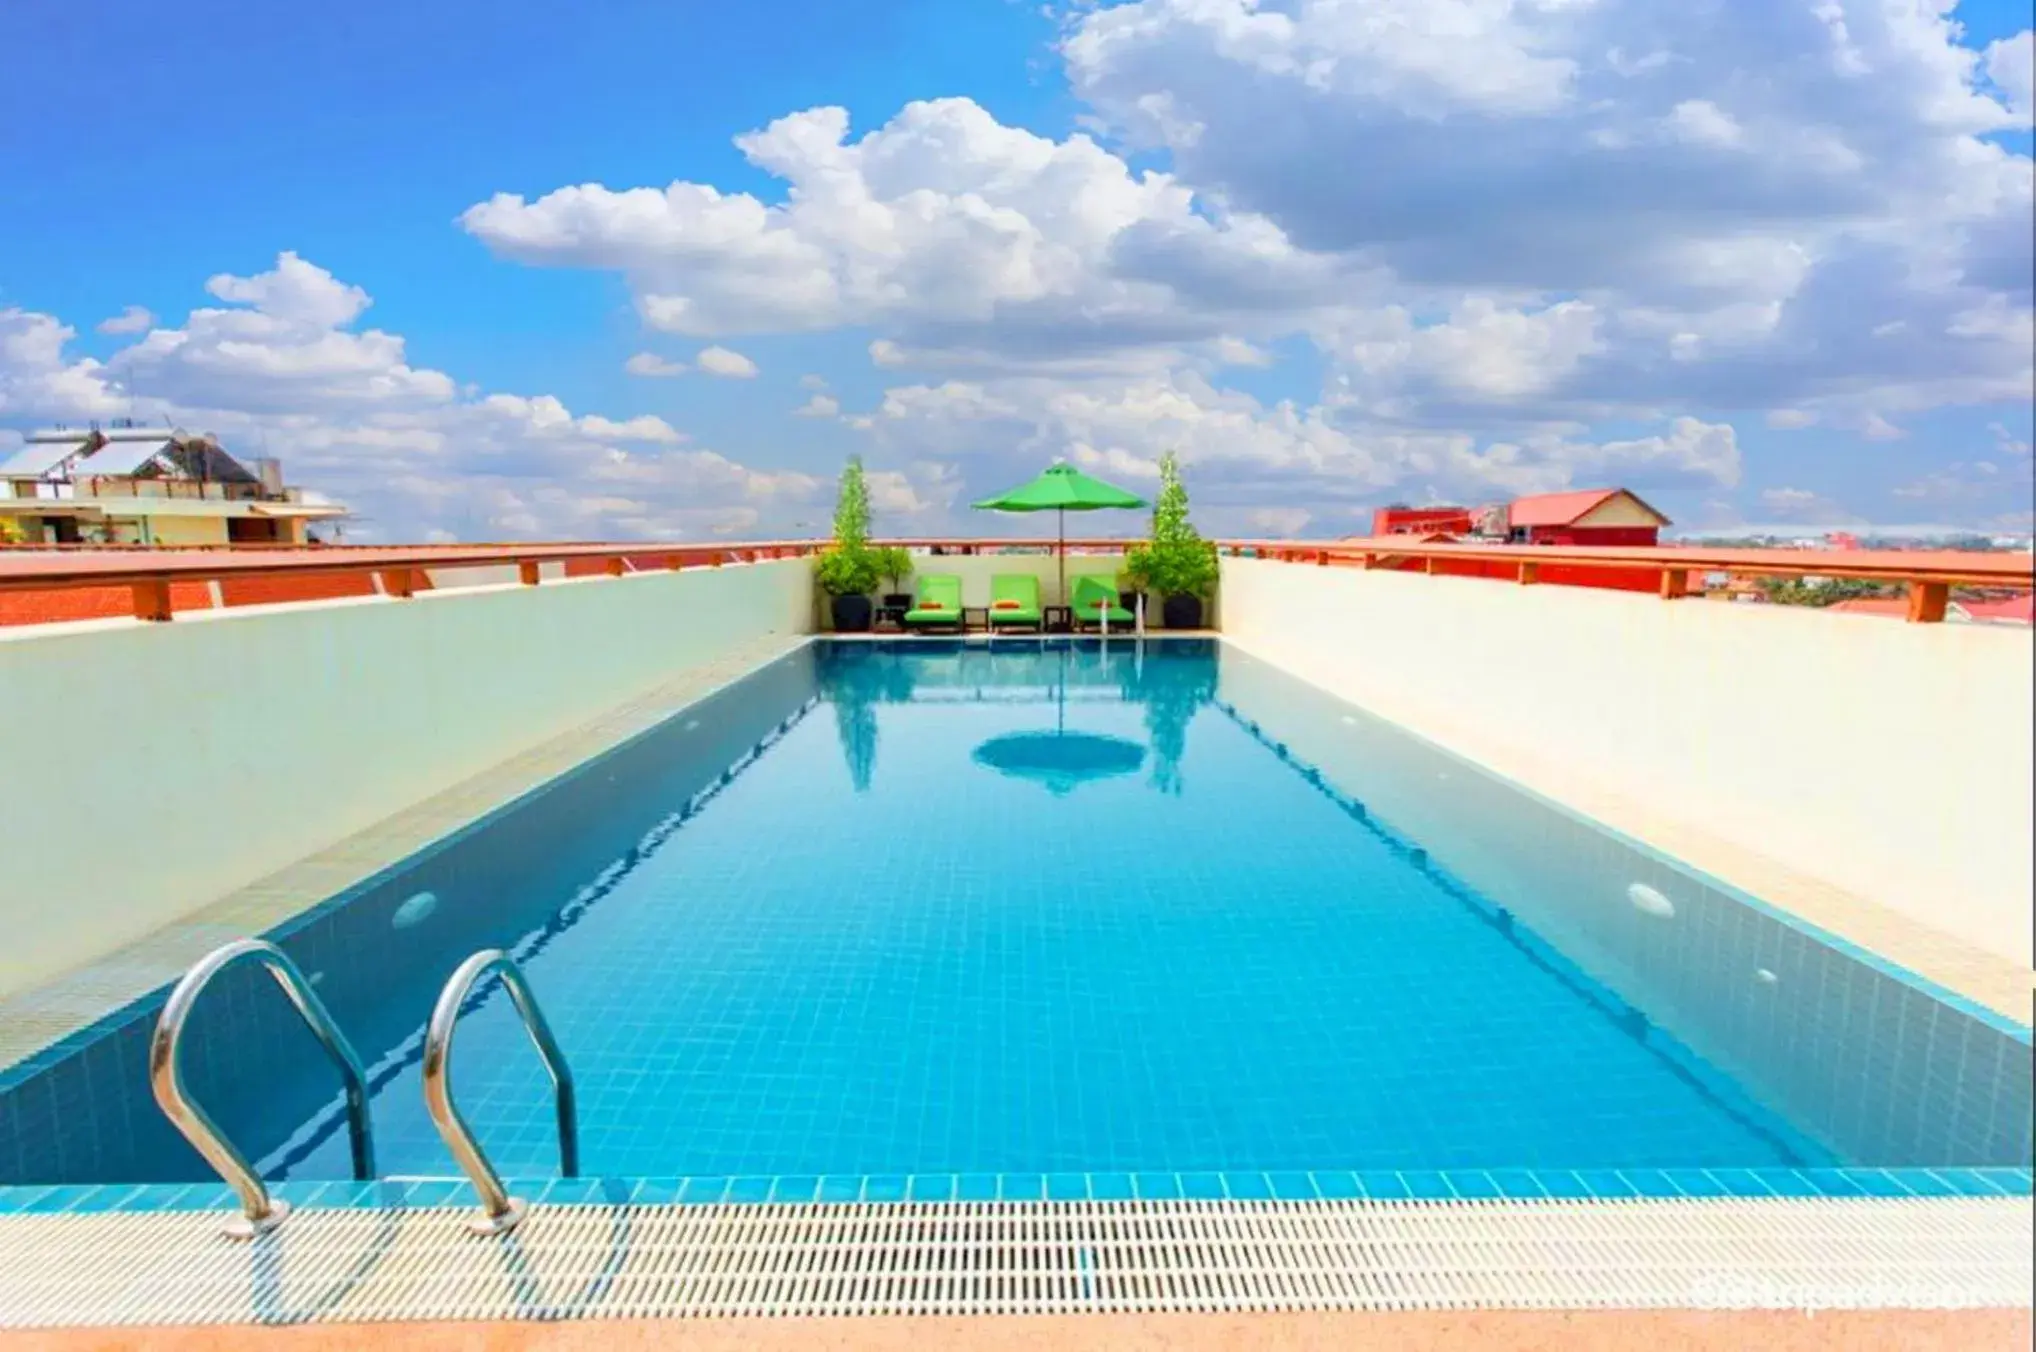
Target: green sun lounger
pixel 1095 597
pixel 938 605
pixel 1014 601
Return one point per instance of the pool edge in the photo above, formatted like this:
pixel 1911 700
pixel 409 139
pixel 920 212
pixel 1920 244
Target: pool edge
pixel 666 1260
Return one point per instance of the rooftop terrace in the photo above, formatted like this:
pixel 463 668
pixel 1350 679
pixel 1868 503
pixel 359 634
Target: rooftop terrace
pixel 234 741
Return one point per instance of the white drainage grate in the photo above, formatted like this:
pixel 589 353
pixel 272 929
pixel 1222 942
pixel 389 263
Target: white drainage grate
pixel 1010 1258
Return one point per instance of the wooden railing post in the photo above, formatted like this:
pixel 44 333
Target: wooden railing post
pixel 615 566
pixel 1530 573
pixel 529 572
pixel 1928 602
pixel 1675 583
pixel 399 583
pixel 152 599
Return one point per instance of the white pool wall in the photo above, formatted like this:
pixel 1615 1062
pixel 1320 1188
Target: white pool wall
pixel 152 768
pixel 1892 760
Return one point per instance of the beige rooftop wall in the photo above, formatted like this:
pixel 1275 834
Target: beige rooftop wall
pixel 152 768
pixel 1887 759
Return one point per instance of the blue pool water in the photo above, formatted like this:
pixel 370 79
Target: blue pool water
pixel 925 907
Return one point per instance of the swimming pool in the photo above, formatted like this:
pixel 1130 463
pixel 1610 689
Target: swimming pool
pixel 945 919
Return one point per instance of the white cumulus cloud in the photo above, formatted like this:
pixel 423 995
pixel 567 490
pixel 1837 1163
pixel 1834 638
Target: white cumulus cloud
pixel 2011 65
pixel 964 235
pixel 652 366
pixel 134 319
pixel 720 361
pixel 1680 170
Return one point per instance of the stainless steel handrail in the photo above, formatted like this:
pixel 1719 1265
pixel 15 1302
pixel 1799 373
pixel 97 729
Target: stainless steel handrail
pixel 501 1211
pixel 260 1212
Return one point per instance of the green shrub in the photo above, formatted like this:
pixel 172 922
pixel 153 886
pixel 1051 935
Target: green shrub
pixel 848 566
pixel 843 571
pixel 1177 561
pixel 894 565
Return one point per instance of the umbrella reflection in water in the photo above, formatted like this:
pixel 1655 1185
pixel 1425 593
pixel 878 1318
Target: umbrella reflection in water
pixel 1060 760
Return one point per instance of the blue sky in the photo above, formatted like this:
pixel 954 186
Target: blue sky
pixel 1766 267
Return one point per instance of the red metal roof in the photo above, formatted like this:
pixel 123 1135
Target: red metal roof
pixel 1871 605
pixel 1389 542
pixel 1564 509
pixel 2015 609
pixel 1555 509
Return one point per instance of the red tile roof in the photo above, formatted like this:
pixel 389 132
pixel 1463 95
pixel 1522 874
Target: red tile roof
pixel 2015 609
pixel 1872 605
pixel 1563 509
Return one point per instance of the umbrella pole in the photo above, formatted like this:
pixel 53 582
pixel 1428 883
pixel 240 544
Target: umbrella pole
pixel 1061 512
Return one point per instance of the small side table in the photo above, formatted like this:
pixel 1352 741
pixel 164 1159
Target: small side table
pixel 1056 619
pixel 975 617
pixel 893 616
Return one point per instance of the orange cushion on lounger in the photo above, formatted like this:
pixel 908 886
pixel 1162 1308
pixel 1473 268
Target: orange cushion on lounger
pixel 1100 603
pixel 1008 605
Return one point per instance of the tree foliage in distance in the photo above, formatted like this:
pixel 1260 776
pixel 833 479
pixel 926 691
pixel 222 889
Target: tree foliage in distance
pixel 1177 561
pixel 848 566
pixel 1796 591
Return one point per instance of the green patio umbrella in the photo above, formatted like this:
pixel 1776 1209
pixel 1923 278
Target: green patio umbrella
pixel 1061 489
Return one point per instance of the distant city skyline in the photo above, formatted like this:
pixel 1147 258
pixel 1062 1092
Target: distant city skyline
pixel 655 271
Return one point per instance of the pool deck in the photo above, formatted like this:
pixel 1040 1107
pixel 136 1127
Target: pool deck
pixel 1555 1331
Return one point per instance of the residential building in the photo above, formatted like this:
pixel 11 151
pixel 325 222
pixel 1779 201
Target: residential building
pixel 1400 519
pixel 127 484
pixel 1591 516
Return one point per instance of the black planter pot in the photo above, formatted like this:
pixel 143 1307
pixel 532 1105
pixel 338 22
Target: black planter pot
pixel 1181 611
pixel 851 614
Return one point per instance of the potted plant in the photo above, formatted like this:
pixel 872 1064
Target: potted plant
pixel 894 565
pixel 847 569
pixel 1177 562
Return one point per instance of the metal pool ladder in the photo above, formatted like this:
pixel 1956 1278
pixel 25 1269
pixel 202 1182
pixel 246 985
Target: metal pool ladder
pixel 500 1211
pixel 260 1213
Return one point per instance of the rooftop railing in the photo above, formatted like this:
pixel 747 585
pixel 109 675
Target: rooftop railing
pixel 192 490
pixel 157 582
pixel 1670 571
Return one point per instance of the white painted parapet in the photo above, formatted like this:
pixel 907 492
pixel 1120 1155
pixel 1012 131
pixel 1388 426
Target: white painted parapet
pixel 1890 760
pixel 152 768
